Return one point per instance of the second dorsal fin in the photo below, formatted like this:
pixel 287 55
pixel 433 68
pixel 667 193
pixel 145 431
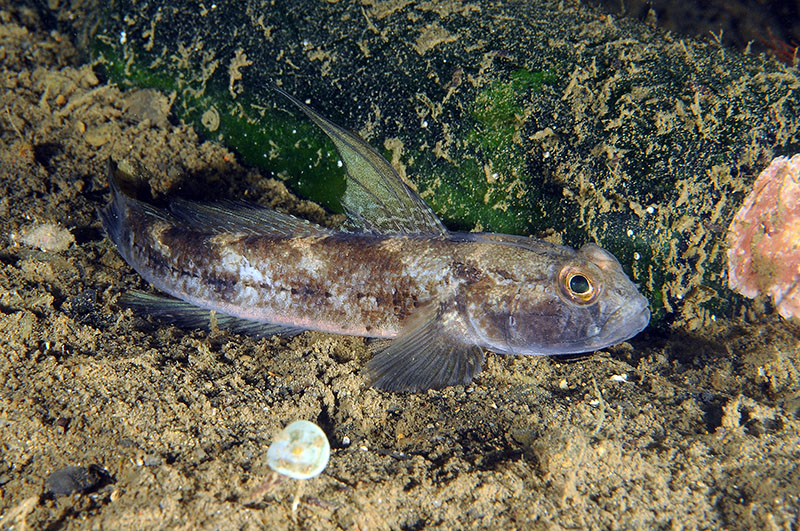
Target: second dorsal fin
pixel 236 216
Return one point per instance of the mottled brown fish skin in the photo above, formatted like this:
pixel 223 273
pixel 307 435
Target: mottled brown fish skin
pixel 357 284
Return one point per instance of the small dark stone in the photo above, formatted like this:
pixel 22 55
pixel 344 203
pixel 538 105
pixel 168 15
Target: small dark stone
pixel 82 303
pixel 63 423
pixel 84 309
pixel 67 480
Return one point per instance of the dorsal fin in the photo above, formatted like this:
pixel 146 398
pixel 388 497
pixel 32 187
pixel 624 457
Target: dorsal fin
pixel 238 216
pixel 376 199
pixel 218 217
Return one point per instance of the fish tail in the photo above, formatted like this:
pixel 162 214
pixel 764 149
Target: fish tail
pixel 116 215
pixel 113 215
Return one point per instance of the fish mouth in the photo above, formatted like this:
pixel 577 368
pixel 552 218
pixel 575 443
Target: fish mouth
pixel 624 323
pixel 621 325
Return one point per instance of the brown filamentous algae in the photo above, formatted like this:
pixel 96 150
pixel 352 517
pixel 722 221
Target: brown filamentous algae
pixel 442 298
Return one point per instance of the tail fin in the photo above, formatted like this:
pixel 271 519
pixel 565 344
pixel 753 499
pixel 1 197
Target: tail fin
pixel 122 180
pixel 113 215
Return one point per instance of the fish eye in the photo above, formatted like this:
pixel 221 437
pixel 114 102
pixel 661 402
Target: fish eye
pixel 578 286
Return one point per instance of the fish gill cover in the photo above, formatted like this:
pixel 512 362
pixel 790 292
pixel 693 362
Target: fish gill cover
pixel 525 118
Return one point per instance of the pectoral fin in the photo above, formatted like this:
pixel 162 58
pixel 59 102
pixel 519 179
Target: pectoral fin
pixel 429 354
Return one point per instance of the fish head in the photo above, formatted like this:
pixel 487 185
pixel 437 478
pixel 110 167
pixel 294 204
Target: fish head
pixel 569 302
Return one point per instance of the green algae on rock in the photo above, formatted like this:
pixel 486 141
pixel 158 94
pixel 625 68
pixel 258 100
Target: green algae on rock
pixel 527 118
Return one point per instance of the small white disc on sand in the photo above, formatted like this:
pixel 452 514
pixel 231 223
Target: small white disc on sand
pixel 300 451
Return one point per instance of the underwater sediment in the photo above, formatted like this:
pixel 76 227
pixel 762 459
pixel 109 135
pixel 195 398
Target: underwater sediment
pixel 524 118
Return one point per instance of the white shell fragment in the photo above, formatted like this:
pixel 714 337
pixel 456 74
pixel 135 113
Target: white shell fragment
pixel 47 237
pixel 300 451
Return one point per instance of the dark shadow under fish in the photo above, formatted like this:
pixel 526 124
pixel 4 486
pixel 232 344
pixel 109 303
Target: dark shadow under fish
pixel 439 299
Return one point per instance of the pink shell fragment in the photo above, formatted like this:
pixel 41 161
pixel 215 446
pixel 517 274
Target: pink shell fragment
pixel 764 238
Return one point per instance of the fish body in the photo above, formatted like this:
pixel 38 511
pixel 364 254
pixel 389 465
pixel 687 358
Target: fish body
pixel 442 298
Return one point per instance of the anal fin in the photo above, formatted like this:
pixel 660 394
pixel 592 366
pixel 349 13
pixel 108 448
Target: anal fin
pixel 426 355
pixel 187 315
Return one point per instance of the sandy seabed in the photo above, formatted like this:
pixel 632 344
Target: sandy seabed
pixel 170 427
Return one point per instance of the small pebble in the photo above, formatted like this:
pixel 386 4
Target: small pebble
pixel 47 237
pixel 67 480
pixel 152 460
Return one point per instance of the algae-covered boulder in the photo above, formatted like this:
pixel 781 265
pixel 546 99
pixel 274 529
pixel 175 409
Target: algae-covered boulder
pixel 538 118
